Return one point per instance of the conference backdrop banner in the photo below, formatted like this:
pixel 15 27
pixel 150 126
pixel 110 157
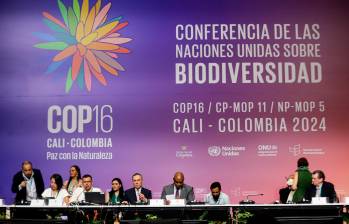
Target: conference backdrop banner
pixel 229 91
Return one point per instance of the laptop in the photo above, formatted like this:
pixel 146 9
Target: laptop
pixel 94 198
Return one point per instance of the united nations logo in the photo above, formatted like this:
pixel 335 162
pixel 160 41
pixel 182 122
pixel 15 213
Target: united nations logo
pixel 214 151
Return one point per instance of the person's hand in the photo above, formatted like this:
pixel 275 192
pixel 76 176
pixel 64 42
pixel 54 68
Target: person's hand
pixel 23 184
pixel 142 197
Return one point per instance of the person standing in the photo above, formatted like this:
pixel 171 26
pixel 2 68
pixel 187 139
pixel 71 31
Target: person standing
pixel 75 180
pixel 302 180
pixel 28 183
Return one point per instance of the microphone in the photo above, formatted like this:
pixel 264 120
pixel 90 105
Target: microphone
pixel 248 201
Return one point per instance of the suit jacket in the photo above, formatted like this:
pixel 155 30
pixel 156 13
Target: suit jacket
pixel 327 190
pixel 186 192
pixel 131 197
pixel 284 192
pixel 21 195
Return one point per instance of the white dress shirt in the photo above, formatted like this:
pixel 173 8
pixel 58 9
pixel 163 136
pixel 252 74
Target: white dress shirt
pixel 48 193
pixel 79 194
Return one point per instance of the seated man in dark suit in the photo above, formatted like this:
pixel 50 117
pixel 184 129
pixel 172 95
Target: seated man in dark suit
pixel 286 193
pixel 178 189
pixel 321 188
pixel 27 183
pixel 137 194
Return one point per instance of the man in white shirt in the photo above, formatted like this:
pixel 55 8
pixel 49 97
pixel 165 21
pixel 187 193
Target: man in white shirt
pixel 87 186
pixel 216 197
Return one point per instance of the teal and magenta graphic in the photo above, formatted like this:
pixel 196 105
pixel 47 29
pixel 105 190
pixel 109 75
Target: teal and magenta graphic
pixel 88 39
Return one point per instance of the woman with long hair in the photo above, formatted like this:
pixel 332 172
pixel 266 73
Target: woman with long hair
pixel 75 180
pixel 116 195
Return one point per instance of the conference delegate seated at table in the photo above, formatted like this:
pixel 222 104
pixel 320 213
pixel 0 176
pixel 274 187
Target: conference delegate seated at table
pixel 286 193
pixel 116 194
pixel 27 183
pixel 137 194
pixel 87 186
pixel 216 197
pixel 321 188
pixel 178 190
pixel 56 191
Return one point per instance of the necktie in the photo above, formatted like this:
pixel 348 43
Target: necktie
pixel 137 194
pixel 177 193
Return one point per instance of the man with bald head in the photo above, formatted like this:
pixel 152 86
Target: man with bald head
pixel 27 183
pixel 178 189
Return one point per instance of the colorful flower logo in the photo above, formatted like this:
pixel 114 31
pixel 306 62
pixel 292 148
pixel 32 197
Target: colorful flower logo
pixel 87 40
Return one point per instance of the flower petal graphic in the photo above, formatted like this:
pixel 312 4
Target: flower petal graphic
pixel 73 21
pixel 98 6
pixel 44 36
pixel 89 21
pixel 91 58
pixel 52 45
pixel 81 79
pixel 76 8
pixel 53 67
pixel 113 55
pixel 80 31
pixel 65 37
pixel 82 49
pixel 115 19
pixel 64 12
pixel 54 20
pixel 121 50
pixel 108 60
pixel 89 38
pixel 115 40
pixel 65 53
pixel 86 40
pixel 108 68
pixel 112 35
pixel 118 27
pixel 99 76
pixel 101 15
pixel 87 75
pixel 102 31
pixel 102 46
pixel 84 11
pixel 69 81
pixel 77 59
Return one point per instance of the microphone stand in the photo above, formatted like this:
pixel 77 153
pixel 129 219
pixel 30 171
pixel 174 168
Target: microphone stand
pixel 247 201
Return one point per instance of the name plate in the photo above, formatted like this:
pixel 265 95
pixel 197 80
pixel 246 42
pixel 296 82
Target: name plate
pixel 37 203
pixel 54 203
pixel 319 200
pixel 177 202
pixel 156 202
pixel 346 200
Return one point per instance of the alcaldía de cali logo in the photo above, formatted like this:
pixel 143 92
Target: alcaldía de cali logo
pixel 87 40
